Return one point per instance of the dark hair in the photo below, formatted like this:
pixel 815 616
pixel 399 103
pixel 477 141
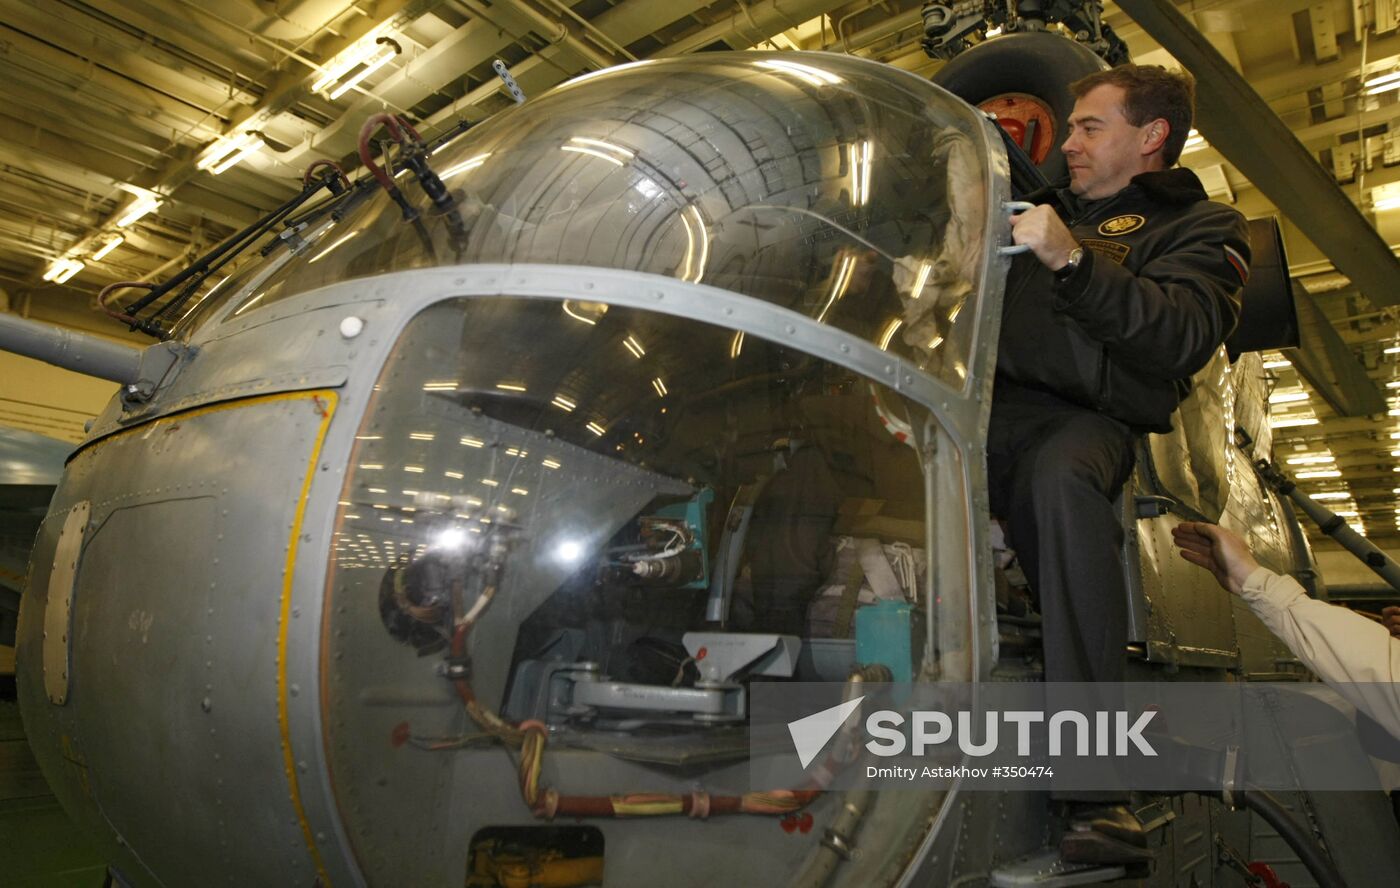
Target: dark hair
pixel 1150 92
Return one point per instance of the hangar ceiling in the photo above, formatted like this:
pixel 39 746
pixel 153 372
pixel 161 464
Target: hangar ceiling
pixel 135 134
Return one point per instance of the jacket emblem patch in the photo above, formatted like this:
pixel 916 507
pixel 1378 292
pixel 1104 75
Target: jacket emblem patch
pixel 1108 249
pixel 1121 225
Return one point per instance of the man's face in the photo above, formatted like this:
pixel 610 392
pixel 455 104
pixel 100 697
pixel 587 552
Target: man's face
pixel 1104 151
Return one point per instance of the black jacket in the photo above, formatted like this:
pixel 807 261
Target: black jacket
pixel 1154 296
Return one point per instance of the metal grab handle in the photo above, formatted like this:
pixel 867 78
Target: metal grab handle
pixel 1014 206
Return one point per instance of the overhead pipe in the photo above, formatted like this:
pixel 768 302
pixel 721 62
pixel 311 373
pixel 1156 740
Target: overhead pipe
pixel 754 24
pixel 69 349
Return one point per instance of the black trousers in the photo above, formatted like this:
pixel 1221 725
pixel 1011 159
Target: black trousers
pixel 1055 469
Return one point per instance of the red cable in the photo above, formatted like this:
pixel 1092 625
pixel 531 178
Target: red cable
pixel 120 285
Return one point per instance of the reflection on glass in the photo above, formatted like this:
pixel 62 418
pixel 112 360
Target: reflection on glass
pixel 540 547
pixel 828 185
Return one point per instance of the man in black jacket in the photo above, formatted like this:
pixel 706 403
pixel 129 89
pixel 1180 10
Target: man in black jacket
pixel 1129 288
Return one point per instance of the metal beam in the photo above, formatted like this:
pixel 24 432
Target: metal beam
pixel 25 53
pixel 752 24
pixel 224 47
pixel 62 162
pixel 1239 124
pixel 109 47
pixel 624 24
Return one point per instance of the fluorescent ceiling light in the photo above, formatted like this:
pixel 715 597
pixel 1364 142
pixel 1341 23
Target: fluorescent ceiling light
pixel 368 53
pixel 229 151
pixel 138 210
pixel 62 270
pixel 109 246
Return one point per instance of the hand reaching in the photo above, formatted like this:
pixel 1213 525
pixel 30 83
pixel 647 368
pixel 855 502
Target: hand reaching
pixel 1220 551
pixel 1390 618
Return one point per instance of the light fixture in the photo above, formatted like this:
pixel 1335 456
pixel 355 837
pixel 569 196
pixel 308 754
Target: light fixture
pixel 1387 195
pixel 62 270
pixel 1382 83
pixel 1311 460
pixel 1193 141
pixel 1289 397
pixel 229 151
pixel 143 204
pixel 346 70
pixel 112 243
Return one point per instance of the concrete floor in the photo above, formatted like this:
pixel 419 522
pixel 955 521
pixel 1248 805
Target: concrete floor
pixel 39 847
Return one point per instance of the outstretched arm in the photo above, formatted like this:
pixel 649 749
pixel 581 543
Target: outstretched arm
pixel 1357 657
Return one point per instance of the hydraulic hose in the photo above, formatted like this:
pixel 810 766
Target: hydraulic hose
pixel 1319 865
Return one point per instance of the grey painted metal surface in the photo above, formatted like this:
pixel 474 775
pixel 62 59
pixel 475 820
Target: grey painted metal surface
pixel 69 349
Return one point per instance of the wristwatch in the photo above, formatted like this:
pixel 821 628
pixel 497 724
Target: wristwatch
pixel 1076 256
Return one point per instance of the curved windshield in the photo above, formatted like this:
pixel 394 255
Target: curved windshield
pixel 851 192
pixel 558 535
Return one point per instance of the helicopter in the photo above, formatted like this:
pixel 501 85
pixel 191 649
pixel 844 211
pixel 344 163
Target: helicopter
pixel 486 451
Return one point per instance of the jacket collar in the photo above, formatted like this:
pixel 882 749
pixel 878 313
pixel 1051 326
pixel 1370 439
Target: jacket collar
pixel 1176 187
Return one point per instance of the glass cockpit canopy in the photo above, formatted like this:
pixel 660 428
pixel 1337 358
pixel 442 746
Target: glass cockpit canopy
pixel 852 192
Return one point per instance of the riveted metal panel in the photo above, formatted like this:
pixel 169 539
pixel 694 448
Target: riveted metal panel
pixel 177 605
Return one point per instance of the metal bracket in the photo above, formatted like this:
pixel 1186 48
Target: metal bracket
pixel 511 86
pixel 58 606
pixel 157 364
pixel 721 656
pixel 579 691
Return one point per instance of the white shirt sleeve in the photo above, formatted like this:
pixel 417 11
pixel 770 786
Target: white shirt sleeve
pixel 1358 658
